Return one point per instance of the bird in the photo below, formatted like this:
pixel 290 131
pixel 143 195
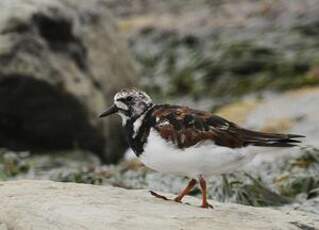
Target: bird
pixel 182 141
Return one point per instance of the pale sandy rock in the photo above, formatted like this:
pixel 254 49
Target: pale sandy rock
pixel 292 112
pixel 299 106
pixel 50 205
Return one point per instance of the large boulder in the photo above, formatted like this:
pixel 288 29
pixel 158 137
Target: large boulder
pixel 61 61
pixel 51 205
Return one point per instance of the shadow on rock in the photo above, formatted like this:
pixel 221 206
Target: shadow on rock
pixel 34 114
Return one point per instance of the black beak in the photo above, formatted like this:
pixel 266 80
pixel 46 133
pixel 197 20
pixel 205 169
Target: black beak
pixel 112 109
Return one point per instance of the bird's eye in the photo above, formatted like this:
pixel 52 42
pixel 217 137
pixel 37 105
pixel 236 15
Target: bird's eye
pixel 129 98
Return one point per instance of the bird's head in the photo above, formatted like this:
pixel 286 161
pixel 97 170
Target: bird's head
pixel 129 104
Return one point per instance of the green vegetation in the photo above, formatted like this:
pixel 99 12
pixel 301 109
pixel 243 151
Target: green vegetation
pixel 12 164
pixel 303 175
pixel 251 192
pixel 217 66
pixel 78 176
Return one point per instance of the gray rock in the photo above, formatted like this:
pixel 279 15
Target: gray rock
pixel 50 205
pixel 61 62
pixel 299 106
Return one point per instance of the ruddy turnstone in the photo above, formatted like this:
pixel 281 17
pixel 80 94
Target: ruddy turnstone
pixel 183 141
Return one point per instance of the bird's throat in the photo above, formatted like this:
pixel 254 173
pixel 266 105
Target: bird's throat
pixel 137 131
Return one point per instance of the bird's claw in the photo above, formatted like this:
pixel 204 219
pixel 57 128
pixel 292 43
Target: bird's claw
pixel 158 195
pixel 178 200
pixel 207 205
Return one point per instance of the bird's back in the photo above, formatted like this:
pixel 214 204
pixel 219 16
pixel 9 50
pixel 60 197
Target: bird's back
pixel 186 127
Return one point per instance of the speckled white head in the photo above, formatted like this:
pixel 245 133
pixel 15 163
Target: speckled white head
pixel 129 104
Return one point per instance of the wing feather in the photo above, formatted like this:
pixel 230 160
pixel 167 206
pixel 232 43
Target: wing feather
pixel 186 127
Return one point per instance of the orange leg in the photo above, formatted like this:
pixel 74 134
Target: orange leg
pixel 188 188
pixel 203 187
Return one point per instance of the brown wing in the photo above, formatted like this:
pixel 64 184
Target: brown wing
pixel 186 127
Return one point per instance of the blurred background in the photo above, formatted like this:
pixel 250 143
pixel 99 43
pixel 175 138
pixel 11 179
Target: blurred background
pixel 253 62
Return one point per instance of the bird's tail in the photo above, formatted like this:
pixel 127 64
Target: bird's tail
pixel 270 139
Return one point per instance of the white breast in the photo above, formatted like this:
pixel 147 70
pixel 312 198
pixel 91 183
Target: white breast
pixel 204 159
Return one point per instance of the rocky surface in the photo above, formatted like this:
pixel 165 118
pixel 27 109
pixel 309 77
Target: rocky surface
pixel 194 50
pixel 278 177
pixel 221 49
pixel 61 62
pixel 50 205
pixel 294 111
pixel 289 181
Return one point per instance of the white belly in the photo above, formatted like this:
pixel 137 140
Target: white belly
pixel 205 159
